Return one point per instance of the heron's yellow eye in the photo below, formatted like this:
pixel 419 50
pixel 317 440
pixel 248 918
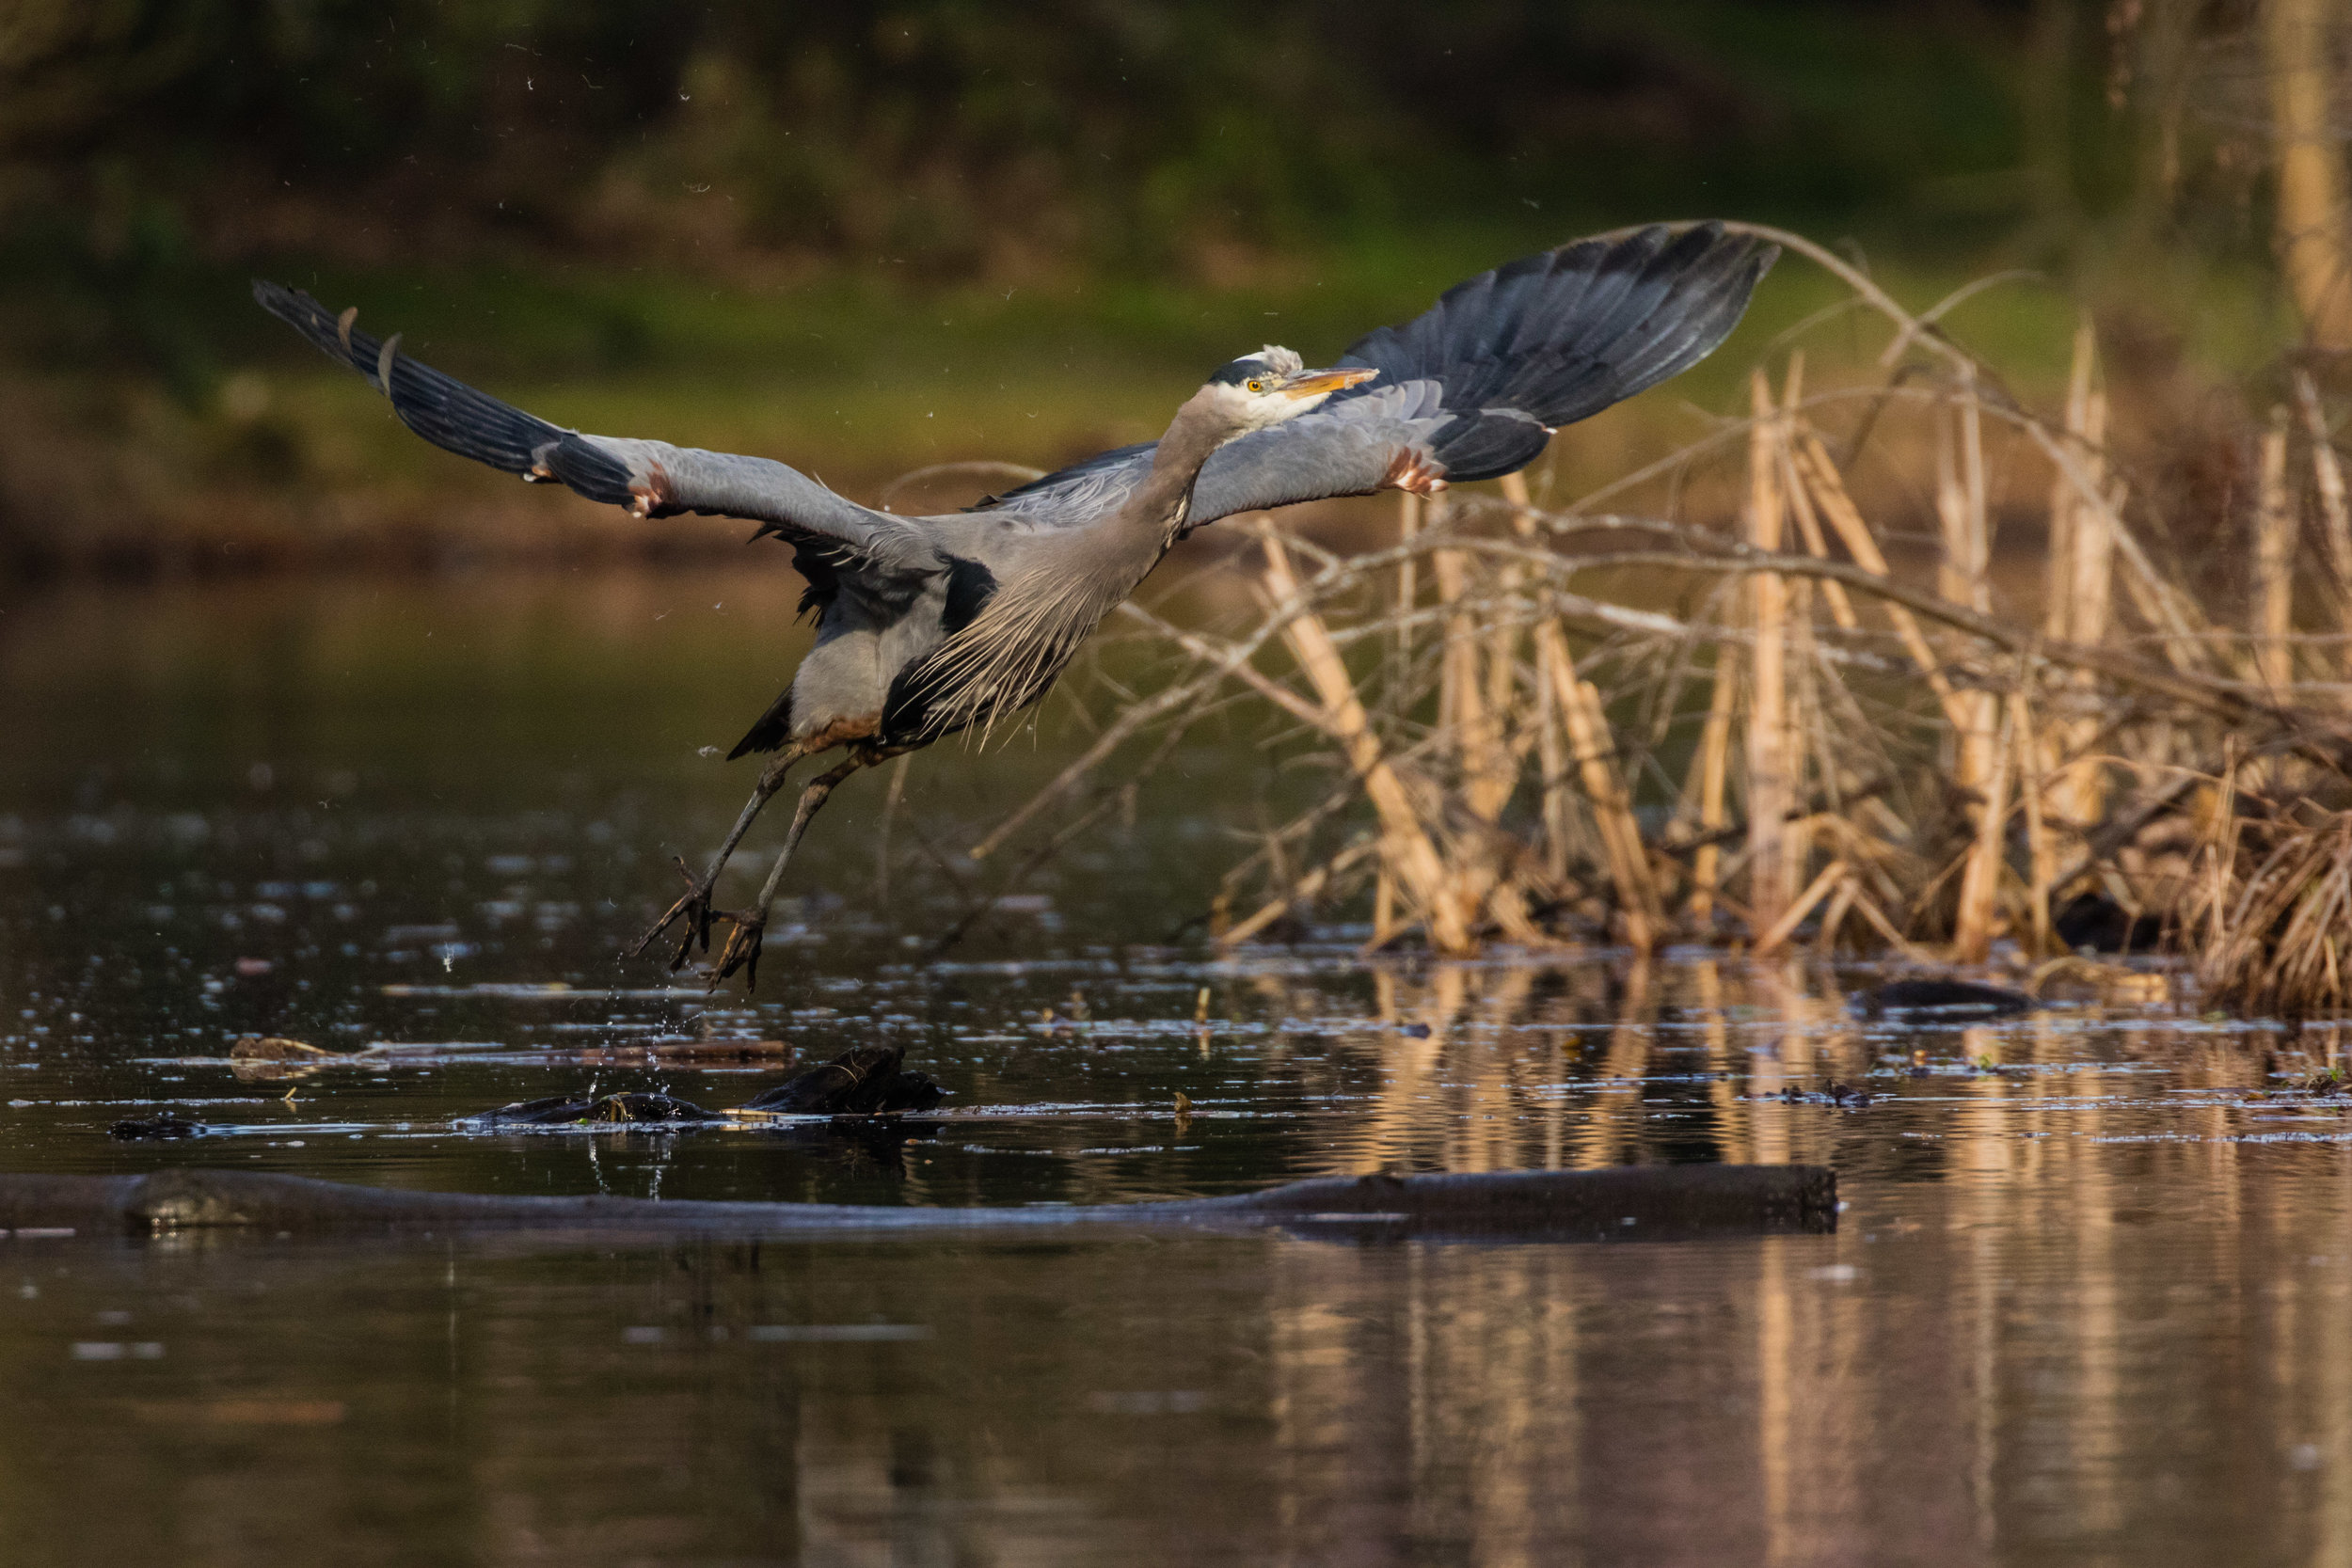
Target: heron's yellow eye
pixel 1257 386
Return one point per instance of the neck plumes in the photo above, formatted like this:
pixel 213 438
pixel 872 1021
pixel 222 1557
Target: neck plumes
pixel 1010 654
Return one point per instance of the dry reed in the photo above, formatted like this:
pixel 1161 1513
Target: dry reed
pixel 1775 726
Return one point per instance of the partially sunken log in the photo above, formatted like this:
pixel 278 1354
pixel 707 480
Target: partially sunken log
pixel 1626 1203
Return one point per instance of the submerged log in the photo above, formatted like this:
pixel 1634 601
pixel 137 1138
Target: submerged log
pixel 1624 1203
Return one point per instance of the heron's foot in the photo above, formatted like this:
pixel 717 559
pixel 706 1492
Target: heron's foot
pixel 693 909
pixel 742 947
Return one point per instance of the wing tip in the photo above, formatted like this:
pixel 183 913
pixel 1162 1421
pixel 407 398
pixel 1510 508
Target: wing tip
pixel 286 302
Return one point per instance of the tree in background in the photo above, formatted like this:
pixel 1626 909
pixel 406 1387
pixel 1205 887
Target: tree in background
pixel 2302 49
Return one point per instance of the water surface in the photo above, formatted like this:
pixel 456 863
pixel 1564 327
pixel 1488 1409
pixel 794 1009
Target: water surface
pixel 2088 1303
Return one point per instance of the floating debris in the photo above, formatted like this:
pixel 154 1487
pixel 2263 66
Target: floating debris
pixel 548 990
pixel 591 1110
pixel 864 1081
pixel 132 1128
pixel 1846 1097
pixel 264 1059
pixel 1945 998
pixel 265 1047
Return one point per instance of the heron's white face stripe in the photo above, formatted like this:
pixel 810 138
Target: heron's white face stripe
pixel 1256 410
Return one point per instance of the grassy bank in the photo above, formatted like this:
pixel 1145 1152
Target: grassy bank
pixel 272 455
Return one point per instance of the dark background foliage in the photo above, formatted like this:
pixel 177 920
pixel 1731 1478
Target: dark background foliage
pixel 963 135
pixel 692 215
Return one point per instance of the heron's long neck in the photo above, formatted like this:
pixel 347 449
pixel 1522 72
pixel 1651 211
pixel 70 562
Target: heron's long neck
pixel 1155 510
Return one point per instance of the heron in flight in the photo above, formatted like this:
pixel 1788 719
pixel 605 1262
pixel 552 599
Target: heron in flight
pixel 930 626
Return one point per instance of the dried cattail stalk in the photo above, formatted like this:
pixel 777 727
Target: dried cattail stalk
pixel 1587 725
pixel 2280 915
pixel 2086 586
pixel 1769 789
pixel 1962 576
pixel 1405 847
pixel 1710 770
pixel 1803 704
pixel 1407 588
pixel 1466 713
pixel 2335 512
pixel 1809 529
pixel 1552 664
pixel 2274 564
pixel 1498 779
pixel 1841 905
pixel 1834 875
pixel 1383 908
pixel 2058 610
pixel 1301 894
pixel 1820 475
pixel 1980 884
pixel 1960 501
pixel 2042 856
pixel 2312 210
pixel 2039 724
pixel 1552 755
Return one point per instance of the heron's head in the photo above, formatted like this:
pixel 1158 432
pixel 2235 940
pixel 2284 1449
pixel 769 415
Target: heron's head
pixel 1270 386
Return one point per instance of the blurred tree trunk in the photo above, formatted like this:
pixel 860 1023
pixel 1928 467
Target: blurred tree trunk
pixel 2049 117
pixel 2298 40
pixel 2154 65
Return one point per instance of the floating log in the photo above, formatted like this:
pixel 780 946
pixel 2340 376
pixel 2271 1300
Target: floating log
pixel 1623 1203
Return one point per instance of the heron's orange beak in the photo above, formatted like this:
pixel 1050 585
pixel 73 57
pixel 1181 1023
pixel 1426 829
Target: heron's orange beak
pixel 1307 383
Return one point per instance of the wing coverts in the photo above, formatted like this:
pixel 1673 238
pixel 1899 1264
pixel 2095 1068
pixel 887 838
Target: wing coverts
pixel 1472 387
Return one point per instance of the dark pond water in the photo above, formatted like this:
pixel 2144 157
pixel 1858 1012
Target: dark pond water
pixel 2089 1302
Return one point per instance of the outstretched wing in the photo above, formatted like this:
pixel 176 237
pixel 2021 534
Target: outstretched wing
pixel 653 479
pixel 1474 386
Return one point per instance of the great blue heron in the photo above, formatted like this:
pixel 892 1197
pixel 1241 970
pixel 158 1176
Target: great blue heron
pixel 929 625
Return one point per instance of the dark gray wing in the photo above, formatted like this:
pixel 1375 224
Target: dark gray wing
pixel 1473 387
pixel 653 479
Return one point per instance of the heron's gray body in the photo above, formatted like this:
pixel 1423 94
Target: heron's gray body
pixel 927 625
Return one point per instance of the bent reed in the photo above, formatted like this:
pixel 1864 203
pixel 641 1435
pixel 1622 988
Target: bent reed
pixel 1554 725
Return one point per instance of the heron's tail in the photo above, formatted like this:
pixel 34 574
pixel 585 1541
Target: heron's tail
pixel 772 730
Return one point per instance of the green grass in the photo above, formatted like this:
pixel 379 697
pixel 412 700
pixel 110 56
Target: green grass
pixel 870 378
pixel 860 375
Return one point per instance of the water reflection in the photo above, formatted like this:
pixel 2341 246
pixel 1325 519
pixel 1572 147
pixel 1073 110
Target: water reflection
pixel 2089 1303
pixel 1956 1375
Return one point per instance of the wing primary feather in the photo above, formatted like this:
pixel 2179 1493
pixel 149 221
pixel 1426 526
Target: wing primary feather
pixel 384 363
pixel 651 478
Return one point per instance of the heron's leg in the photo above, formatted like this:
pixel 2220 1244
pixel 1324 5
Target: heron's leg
pixel 743 942
pixel 693 905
